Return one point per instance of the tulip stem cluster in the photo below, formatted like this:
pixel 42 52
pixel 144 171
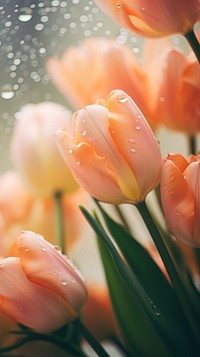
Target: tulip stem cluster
pixel 170 267
pixel 59 224
pixel 193 41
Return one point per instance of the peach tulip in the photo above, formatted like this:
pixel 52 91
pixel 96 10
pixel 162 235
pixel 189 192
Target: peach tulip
pixel 16 200
pixel 175 80
pixel 40 288
pixel 34 150
pixel 96 67
pixel 180 195
pixel 98 315
pixel 112 151
pixel 20 209
pixel 153 18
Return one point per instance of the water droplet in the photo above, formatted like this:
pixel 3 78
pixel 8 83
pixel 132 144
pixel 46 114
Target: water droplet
pixel 58 248
pixel 83 132
pixel 118 6
pixel 7 91
pixel 142 8
pixel 131 139
pixel 78 162
pixel 70 151
pixel 63 282
pixel 122 98
pixel 25 14
pixel 162 99
pixel 132 150
pixel 137 127
pixel 44 249
pixel 139 116
pixel 53 272
pixel 73 280
pixel 172 178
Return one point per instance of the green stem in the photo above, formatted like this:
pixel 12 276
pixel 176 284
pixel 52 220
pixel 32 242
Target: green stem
pixel 68 347
pixel 59 224
pixel 192 145
pixel 169 265
pixel 97 347
pixel 122 218
pixel 193 41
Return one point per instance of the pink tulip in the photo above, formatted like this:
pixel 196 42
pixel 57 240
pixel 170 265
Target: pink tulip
pixel 180 192
pixel 112 150
pixel 40 288
pixel 12 192
pixel 153 18
pixel 96 67
pixel 175 81
pixel 34 150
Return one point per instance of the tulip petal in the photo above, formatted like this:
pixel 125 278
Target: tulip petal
pixel 92 171
pixel 43 264
pixel 92 125
pixel 134 140
pixel 28 303
pixel 178 202
pixel 192 175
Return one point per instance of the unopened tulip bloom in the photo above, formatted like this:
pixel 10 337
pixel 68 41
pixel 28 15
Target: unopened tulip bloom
pixel 180 193
pixel 40 288
pixel 112 150
pixel 34 150
pixel 153 18
pixel 96 67
pixel 175 80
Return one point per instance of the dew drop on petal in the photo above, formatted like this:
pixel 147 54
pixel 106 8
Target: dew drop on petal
pixel 63 282
pixel 162 99
pixel 70 151
pixel 132 150
pixel 131 139
pixel 122 98
pixel 137 127
pixel 83 132
pixel 58 248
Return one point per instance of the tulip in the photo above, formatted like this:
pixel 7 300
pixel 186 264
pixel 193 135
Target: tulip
pixel 98 315
pixel 34 212
pixel 104 65
pixel 180 195
pixel 34 150
pixel 40 288
pixel 175 80
pixel 153 18
pixel 12 191
pixel 111 150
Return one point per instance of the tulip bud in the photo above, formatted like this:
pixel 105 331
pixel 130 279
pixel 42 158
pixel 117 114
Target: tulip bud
pixel 34 150
pixel 40 288
pixel 112 150
pixel 180 197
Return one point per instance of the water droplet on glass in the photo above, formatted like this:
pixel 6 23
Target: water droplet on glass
pixel 63 282
pixel 122 99
pixel 7 91
pixel 25 14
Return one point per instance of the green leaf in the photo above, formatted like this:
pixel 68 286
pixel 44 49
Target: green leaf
pixel 155 285
pixel 134 310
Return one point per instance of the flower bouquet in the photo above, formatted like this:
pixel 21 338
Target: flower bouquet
pixel 87 167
